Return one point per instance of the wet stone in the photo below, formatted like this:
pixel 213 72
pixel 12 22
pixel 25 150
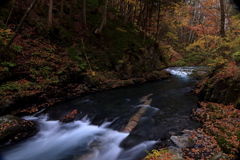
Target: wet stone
pixel 13 128
pixel 182 141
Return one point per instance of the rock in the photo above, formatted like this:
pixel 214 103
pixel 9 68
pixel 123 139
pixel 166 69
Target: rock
pixel 13 128
pixel 70 117
pixel 175 150
pixel 218 156
pixel 182 141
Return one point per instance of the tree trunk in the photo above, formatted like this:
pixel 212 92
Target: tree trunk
pixel 142 10
pixel 71 11
pixel 62 3
pixel 50 16
pixel 84 23
pixel 158 20
pixel 222 25
pixel 42 4
pixel 104 19
pixel 10 13
pixel 129 14
pixel 20 9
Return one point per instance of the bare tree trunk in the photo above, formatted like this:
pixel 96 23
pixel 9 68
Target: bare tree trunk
pixel 129 14
pixel 41 4
pixel 36 6
pixel 71 10
pixel 142 10
pixel 158 20
pixel 150 12
pixel 10 13
pixel 18 28
pixel 222 25
pixel 84 23
pixel 62 3
pixel 50 16
pixel 104 19
pixel 135 12
pixel 20 9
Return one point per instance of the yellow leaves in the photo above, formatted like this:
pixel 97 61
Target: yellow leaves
pixel 217 61
pixel 120 29
pixel 131 1
pixel 5 35
pixel 160 154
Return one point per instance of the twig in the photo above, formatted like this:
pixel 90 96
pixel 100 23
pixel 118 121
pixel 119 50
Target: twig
pixel 86 56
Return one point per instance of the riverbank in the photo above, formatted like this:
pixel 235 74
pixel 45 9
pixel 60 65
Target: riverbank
pixel 219 107
pixel 218 111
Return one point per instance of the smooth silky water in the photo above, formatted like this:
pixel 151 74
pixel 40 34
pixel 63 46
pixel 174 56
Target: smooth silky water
pixel 96 134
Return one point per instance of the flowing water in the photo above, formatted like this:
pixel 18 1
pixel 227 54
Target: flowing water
pixel 95 134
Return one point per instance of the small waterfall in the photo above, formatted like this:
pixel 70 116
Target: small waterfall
pixel 181 71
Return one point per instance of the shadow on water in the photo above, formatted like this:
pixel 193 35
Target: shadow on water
pixel 102 115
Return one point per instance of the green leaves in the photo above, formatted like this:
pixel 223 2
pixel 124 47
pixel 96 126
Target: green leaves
pixel 17 48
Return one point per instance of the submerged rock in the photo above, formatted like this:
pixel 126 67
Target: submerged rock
pixel 70 117
pixel 13 128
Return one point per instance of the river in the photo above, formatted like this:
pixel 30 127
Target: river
pixel 95 134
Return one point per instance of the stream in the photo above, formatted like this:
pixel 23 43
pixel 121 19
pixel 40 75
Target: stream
pixel 96 132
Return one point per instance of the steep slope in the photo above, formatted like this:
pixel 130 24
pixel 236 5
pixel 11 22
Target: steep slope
pixel 47 64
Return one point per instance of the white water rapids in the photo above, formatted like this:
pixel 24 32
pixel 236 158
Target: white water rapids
pixel 74 141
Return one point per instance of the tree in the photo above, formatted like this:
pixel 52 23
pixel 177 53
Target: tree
pixel 62 3
pixel 50 14
pixel 84 23
pixel 222 30
pixel 104 19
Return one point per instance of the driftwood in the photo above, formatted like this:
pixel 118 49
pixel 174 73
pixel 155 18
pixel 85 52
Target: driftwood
pixel 132 123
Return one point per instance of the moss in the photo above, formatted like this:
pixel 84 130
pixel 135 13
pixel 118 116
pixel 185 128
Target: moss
pixel 224 144
pixel 211 107
pixel 238 135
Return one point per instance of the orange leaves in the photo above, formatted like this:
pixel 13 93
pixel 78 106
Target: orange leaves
pixel 222 122
pixel 230 71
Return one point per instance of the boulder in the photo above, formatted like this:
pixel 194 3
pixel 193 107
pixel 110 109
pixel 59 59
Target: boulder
pixel 13 128
pixel 176 151
pixel 182 141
